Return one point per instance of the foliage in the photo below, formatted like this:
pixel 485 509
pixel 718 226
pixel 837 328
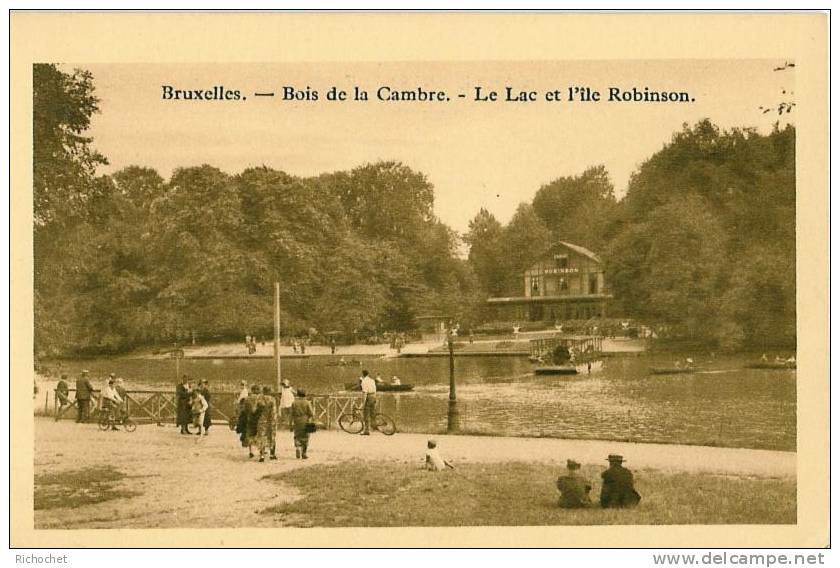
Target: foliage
pixel 703 246
pixel 578 209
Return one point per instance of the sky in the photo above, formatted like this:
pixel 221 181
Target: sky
pixel 475 153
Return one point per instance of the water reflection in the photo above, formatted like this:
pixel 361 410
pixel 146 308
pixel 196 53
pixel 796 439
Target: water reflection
pixel 724 404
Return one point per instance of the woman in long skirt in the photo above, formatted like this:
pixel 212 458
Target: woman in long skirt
pixel 302 414
pixel 255 407
pixel 267 424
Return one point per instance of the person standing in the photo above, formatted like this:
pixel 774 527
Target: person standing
pixel 254 408
pixel 267 425
pixel 287 398
pixel 303 414
pixel 182 405
pixel 84 391
pixel 198 408
pixel 618 490
pixel 62 396
pixel 204 389
pixel 369 390
pixel 574 489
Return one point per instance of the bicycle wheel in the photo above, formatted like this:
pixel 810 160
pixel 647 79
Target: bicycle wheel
pixel 384 424
pixel 350 423
pixel 104 421
pixel 129 425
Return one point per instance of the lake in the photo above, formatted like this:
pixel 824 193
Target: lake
pixel 723 405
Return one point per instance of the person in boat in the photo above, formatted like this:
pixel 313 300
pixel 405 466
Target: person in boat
pixel 790 360
pixel 764 357
pixel 618 490
pixel 677 364
pixel 395 380
pixel 689 362
pixel 574 489
pixel 342 362
pixel 378 379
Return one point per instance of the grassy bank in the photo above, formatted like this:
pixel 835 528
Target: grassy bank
pixel 76 488
pixel 360 493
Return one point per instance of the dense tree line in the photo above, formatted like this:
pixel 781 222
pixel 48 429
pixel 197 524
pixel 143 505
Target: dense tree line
pixel 702 246
pixel 131 258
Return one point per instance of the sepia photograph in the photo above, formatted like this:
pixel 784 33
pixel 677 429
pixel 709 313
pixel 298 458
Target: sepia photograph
pixel 351 293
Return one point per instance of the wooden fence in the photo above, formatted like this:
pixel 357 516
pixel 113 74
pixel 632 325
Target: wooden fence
pixel 159 407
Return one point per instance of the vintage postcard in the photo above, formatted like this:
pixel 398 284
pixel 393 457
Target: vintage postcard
pixel 548 280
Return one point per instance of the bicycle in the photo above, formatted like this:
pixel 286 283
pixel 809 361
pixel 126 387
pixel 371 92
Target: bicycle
pixel 108 421
pixel 352 422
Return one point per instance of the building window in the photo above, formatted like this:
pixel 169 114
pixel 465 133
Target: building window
pixel 535 286
pixel 564 286
pixel 593 283
pixel 562 261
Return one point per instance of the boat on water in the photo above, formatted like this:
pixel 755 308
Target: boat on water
pixel 566 355
pixel 773 365
pixel 556 370
pixel 384 387
pixel 672 370
pixel 343 363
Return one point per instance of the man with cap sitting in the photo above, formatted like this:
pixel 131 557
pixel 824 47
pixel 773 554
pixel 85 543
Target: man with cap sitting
pixel 617 490
pixel 574 489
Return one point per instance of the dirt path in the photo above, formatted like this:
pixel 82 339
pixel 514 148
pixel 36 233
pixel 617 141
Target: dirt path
pixel 210 482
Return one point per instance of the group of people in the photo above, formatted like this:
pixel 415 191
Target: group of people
pixel 192 405
pixel 617 488
pixel 259 419
pixel 112 397
pixel 251 344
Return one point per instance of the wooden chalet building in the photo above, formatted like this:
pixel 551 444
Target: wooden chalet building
pixel 567 283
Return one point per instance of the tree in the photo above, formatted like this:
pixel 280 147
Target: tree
pixel 706 240
pixel 64 163
pixel 524 240
pixel 485 256
pixel 578 209
pixel 64 166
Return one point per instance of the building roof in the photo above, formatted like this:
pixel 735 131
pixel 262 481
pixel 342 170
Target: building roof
pixel 578 249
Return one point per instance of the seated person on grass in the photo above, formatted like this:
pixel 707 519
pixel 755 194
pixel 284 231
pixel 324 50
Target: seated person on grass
pixel 434 461
pixel 617 490
pixel 574 489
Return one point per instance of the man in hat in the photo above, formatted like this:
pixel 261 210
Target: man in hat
pixel 574 489
pixel 84 390
pixel 617 490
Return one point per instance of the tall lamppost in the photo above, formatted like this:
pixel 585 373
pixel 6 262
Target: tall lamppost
pixel 453 417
